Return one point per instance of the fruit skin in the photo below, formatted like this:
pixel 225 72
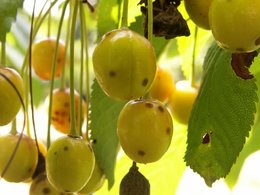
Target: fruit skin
pixel 95 182
pixel 42 57
pixel 69 163
pixel 61 109
pixel 10 102
pixel 182 101
pixel 41 186
pixel 235 24
pixel 25 161
pixel 163 85
pixel 144 130
pixel 124 64
pixel 198 11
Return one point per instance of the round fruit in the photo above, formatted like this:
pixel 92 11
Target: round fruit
pixel 95 182
pixel 10 102
pixel 236 24
pixel 182 101
pixel 25 160
pixel 43 55
pixel 124 64
pixel 163 85
pixel 144 130
pixel 69 163
pixel 41 186
pixel 61 109
pixel 198 12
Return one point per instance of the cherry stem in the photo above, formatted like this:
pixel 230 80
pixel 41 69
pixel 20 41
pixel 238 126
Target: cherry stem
pixel 62 79
pixel 125 15
pixel 13 128
pixel 73 128
pixel 54 62
pixel 49 24
pixel 192 76
pixel 150 20
pixel 3 54
pixel 85 36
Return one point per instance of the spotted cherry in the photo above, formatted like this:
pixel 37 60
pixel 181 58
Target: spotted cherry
pixel 124 64
pixel 145 130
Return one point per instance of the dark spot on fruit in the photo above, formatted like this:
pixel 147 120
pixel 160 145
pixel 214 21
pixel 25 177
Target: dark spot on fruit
pixel 57 112
pixel 29 170
pixel 66 148
pixel 240 49
pixel 112 73
pixel 46 190
pixel 161 108
pixel 141 152
pixel 168 130
pixel 145 82
pixel 55 153
pixel 66 104
pixel 257 41
pixel 64 113
pixel 148 105
pixel 58 60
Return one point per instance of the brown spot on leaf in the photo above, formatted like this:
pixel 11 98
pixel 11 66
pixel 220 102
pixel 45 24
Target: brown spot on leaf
pixel 206 138
pixel 241 62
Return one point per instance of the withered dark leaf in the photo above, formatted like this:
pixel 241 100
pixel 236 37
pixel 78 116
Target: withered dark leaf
pixel 167 20
pixel 241 62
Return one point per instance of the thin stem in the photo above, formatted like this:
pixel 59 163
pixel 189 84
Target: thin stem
pixel 125 15
pixel 192 75
pixel 62 79
pixel 49 24
pixel 54 62
pixel 13 128
pixel 80 111
pixel 73 127
pixel 3 54
pixel 85 33
pixel 150 20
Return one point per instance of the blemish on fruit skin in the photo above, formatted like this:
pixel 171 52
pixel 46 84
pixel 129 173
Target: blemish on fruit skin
pixel 145 82
pixel 161 108
pixel 240 49
pixel 148 105
pixel 168 130
pixel 257 41
pixel 46 190
pixel 112 73
pixel 66 104
pixel 65 148
pixel 55 153
pixel 30 169
pixel 141 152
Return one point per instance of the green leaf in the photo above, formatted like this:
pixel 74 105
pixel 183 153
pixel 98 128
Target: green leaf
pixel 252 143
pixel 108 16
pixel 103 117
pixel 8 11
pixel 221 118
